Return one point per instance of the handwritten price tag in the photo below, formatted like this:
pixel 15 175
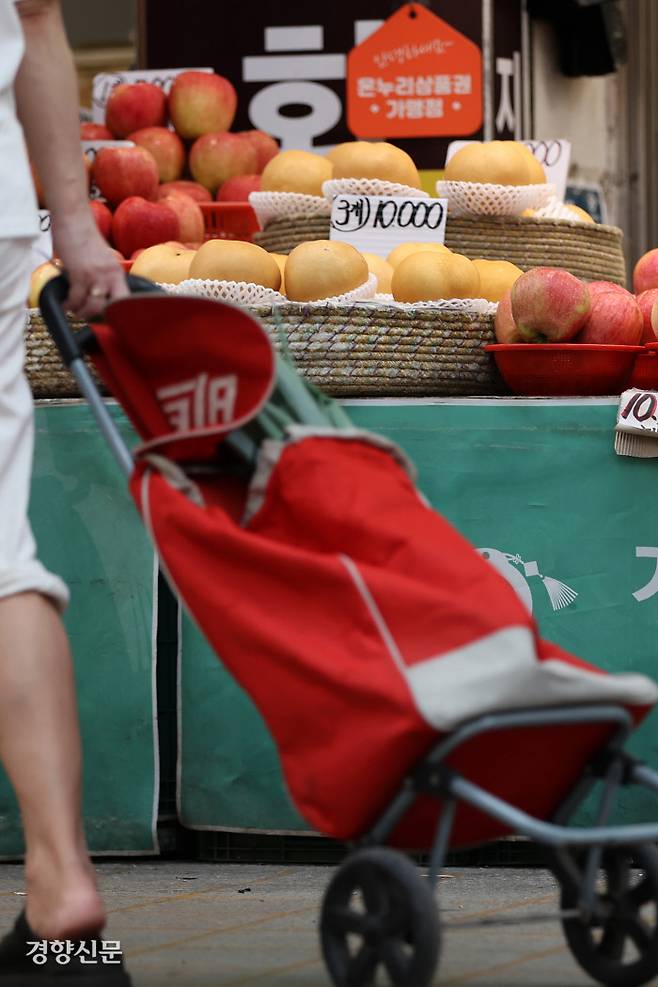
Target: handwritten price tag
pixel 42 245
pixel 638 412
pixel 105 82
pixel 554 155
pixel 377 223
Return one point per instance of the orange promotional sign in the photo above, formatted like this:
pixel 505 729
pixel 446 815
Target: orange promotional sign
pixel 414 77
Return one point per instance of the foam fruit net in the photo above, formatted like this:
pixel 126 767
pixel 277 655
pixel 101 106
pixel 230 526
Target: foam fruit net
pixel 467 306
pixel 369 186
pixel 270 206
pixel 554 209
pixel 248 293
pixel 486 199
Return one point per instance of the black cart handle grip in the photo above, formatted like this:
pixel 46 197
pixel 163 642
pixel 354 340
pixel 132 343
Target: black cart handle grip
pixel 51 300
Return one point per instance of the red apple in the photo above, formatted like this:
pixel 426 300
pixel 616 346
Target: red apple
pixel 201 103
pixel 190 217
pixel 549 305
pixel 139 223
pixel 504 324
pixel 166 147
pixel 103 217
pixel 216 157
pixel 266 147
pixel 237 189
pixel 193 189
pixel 133 105
pixel 122 172
pixel 614 318
pixel 95 132
pixel 646 300
pixel 645 272
pixel 596 287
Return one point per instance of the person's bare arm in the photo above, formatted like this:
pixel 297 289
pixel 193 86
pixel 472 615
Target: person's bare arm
pixel 47 103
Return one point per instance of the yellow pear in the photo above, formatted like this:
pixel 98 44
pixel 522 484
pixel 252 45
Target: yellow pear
pixel 382 270
pixel 323 268
pixel 425 277
pixel 235 260
pixel 398 254
pixel 496 277
pixel 296 171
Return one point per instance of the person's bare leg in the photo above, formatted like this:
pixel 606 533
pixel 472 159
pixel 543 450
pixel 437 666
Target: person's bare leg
pixel 40 750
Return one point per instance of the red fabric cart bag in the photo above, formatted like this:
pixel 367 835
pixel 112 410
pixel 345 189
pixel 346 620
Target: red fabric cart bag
pixel 357 619
pixel 186 370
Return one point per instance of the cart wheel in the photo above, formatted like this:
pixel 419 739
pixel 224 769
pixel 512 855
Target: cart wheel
pixel 380 922
pixel 618 944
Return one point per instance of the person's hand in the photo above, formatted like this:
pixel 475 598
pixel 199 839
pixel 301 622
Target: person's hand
pixel 95 275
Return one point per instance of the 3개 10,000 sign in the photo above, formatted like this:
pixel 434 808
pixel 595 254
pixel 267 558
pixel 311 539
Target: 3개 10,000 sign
pixel 403 213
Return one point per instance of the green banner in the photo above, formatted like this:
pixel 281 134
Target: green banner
pixel 89 532
pixel 534 484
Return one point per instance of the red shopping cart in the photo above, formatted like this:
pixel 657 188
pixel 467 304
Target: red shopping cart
pixel 410 697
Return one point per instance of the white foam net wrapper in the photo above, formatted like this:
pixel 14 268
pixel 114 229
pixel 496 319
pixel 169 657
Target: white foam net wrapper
pixel 469 306
pixel 486 199
pixel 365 292
pixel 369 186
pixel 238 292
pixel 555 209
pixel 269 206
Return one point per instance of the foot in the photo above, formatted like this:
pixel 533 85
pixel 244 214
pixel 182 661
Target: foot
pixel 66 906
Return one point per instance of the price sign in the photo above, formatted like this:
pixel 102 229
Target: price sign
pixel 553 155
pixel 638 412
pixel 42 245
pixel 377 223
pixel 105 82
pixel 91 149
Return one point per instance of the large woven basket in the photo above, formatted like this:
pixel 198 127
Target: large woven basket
pixel 44 369
pixel 591 252
pixel 283 235
pixel 381 350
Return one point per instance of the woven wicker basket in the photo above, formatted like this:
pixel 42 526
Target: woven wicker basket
pixel 44 369
pixel 282 235
pixel 384 351
pixel 591 252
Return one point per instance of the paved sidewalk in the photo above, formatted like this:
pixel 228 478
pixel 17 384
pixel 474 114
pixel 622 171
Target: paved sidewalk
pixel 227 925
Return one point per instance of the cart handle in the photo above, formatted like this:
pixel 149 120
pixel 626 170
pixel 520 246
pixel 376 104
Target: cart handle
pixel 71 344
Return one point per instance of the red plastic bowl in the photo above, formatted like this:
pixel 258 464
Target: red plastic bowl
pixel 645 371
pixel 558 369
pixel 126 265
pixel 229 220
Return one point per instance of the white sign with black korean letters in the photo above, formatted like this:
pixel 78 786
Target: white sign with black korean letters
pixel 376 224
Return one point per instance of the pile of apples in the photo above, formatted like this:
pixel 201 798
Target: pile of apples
pixel 151 192
pixel 549 305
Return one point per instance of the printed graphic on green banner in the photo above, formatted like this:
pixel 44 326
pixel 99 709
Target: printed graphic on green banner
pixel 537 487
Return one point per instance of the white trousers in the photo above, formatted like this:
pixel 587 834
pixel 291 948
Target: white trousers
pixel 20 570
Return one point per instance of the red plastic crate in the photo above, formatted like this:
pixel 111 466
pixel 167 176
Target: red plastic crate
pixel 229 220
pixel 559 369
pixel 645 371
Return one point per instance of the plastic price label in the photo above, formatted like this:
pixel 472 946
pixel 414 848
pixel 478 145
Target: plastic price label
pixel 42 245
pixel 377 223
